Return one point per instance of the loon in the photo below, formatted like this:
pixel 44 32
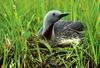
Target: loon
pixel 59 31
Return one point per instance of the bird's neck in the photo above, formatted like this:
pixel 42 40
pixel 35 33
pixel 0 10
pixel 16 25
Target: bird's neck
pixel 47 30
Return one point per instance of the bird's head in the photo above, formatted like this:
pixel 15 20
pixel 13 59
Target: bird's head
pixel 53 16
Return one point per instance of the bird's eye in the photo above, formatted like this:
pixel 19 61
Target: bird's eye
pixel 53 14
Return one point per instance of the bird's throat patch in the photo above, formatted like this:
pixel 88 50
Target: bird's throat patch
pixel 48 33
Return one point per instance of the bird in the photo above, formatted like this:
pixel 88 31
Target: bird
pixel 59 31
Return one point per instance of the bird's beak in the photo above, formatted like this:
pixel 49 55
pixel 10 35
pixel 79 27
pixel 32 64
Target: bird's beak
pixel 63 14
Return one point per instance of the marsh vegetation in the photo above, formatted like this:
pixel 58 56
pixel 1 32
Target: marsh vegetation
pixel 20 21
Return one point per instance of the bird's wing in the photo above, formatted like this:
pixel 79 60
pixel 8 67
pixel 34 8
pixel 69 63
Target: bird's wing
pixel 63 25
pixel 77 26
pixel 67 28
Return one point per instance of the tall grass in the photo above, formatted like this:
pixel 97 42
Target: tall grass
pixel 20 19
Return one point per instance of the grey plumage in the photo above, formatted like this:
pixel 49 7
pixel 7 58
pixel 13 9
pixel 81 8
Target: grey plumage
pixel 58 31
pixel 66 27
